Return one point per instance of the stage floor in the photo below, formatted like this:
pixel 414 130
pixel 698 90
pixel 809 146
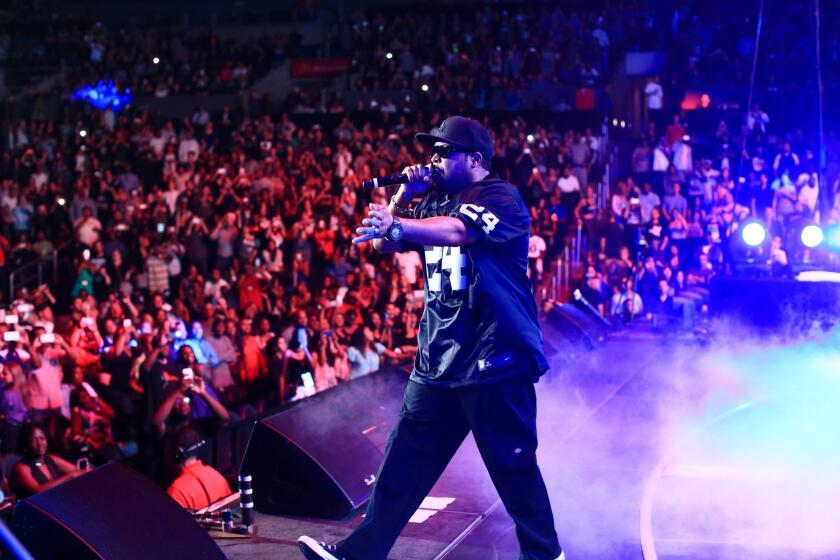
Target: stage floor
pixel 650 448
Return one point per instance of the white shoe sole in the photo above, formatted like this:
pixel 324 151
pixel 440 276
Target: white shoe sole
pixel 313 550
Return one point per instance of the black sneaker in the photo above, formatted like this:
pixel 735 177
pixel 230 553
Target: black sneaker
pixel 314 550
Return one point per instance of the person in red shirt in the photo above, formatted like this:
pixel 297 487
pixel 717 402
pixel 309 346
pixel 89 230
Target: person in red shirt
pixel 198 485
pixel 253 366
pixel 324 241
pixel 250 289
pixel 4 249
pixel 675 131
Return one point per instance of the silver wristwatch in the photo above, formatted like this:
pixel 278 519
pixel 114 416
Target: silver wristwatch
pixel 395 232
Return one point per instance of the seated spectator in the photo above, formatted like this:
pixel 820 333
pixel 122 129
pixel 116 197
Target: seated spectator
pixel 595 289
pixel 38 469
pixel 684 302
pixel 648 281
pixel 778 261
pixel 699 277
pixel 626 304
pixel 661 307
pixel 197 485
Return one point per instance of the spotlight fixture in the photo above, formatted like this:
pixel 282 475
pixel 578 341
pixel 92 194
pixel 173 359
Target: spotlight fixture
pixel 832 236
pixel 753 234
pixel 811 236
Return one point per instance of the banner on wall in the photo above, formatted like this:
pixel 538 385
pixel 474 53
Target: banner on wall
pixel 314 68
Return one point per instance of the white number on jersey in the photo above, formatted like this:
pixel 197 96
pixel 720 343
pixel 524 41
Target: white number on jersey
pixel 473 211
pixel 451 260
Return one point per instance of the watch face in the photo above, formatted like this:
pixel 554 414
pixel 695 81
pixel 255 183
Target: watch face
pixel 396 232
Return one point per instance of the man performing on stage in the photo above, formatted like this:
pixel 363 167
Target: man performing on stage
pixel 480 347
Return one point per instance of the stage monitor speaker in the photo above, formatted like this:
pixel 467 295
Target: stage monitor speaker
pixel 575 326
pixel 110 512
pixel 319 459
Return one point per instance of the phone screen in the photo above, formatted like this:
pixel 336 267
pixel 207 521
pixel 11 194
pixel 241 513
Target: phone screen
pixel 306 377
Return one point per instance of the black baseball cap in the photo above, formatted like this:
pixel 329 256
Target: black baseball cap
pixel 461 132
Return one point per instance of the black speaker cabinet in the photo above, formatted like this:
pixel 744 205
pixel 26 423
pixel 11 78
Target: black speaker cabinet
pixel 320 458
pixel 575 326
pixel 111 512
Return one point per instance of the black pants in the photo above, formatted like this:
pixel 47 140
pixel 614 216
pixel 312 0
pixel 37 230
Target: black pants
pixel 432 424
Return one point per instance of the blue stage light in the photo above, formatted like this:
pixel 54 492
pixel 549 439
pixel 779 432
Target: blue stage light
pixel 753 234
pixel 832 236
pixel 104 95
pixel 811 236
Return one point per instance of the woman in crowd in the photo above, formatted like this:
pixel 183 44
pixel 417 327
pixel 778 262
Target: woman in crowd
pixel 14 405
pixel 38 469
pixel 586 214
pixel 221 377
pixel 86 341
pixel 364 354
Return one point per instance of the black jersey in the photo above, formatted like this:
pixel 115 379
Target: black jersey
pixel 480 320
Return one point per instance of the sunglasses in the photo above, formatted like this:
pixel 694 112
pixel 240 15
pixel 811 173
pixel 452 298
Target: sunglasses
pixel 445 151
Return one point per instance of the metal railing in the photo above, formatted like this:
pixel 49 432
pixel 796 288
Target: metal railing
pixel 34 273
pixel 566 264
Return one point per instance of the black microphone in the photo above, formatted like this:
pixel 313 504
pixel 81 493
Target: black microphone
pixel 380 182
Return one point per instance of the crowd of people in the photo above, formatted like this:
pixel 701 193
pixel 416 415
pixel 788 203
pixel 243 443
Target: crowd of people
pixel 212 275
pixel 465 56
pixel 150 60
pixel 676 221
